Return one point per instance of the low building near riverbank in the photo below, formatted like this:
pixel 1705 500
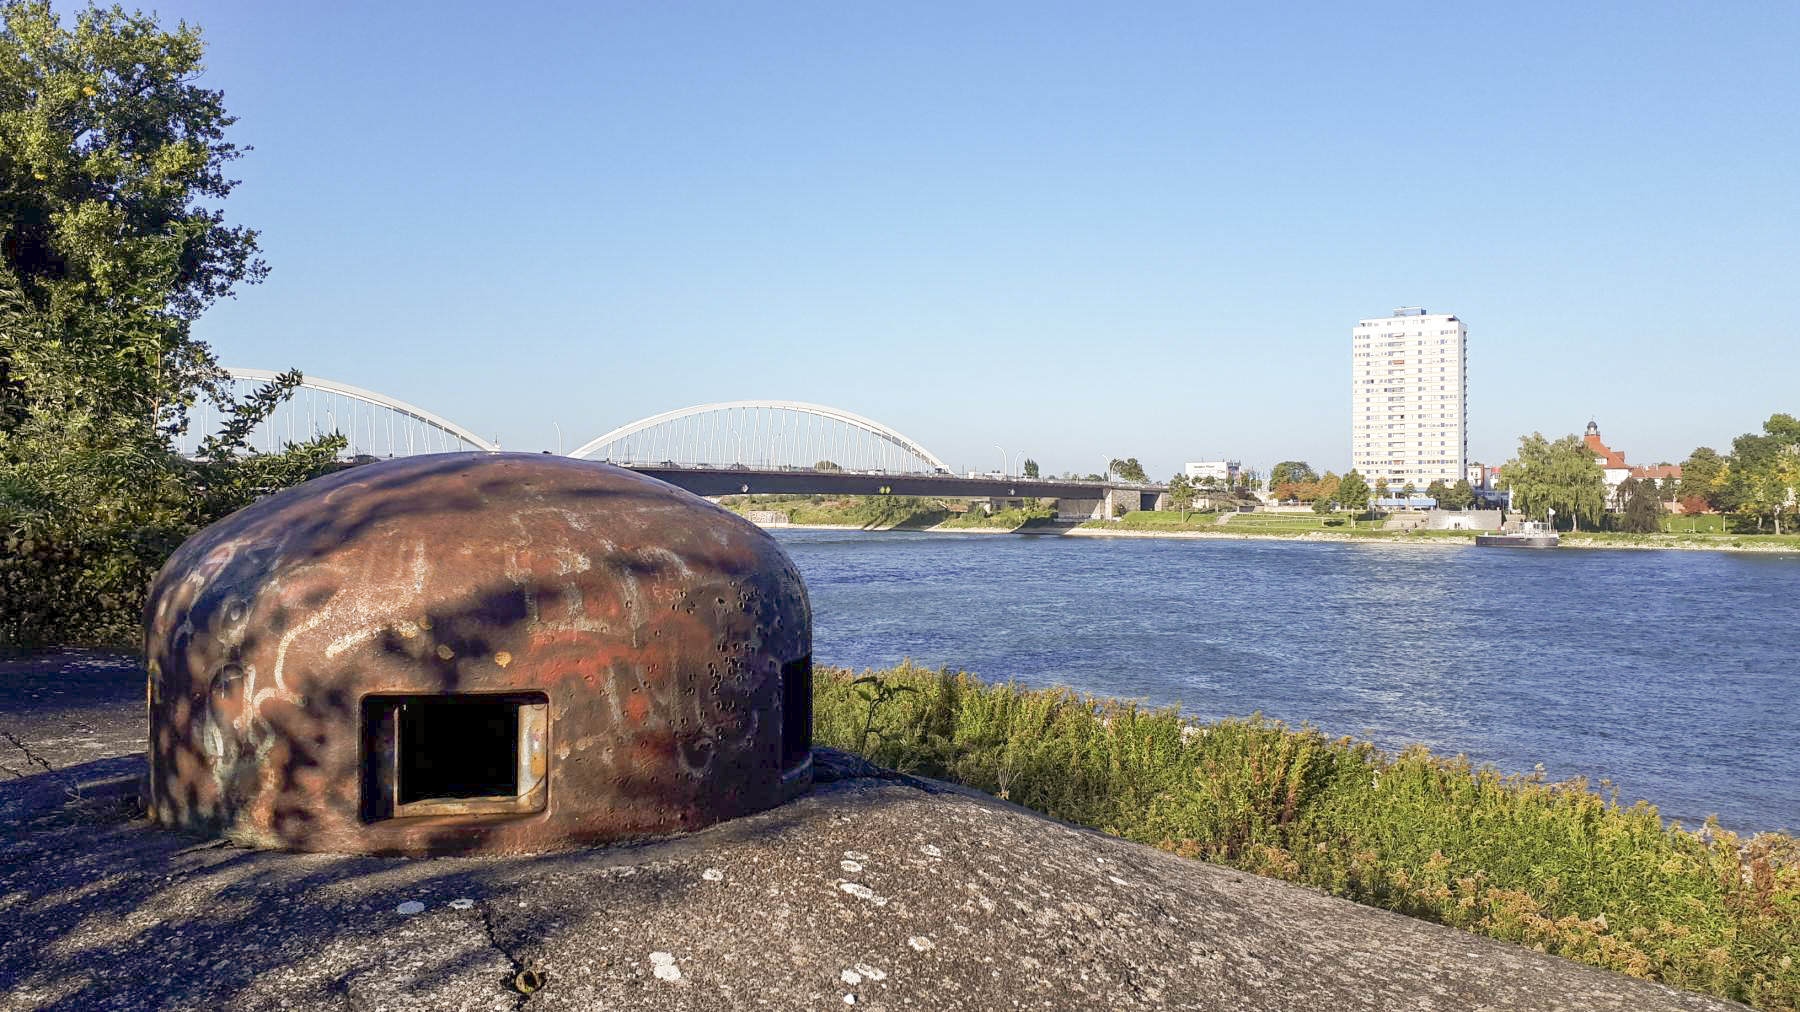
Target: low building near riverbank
pixel 1464 520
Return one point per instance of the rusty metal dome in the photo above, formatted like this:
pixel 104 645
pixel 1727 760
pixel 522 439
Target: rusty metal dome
pixel 475 653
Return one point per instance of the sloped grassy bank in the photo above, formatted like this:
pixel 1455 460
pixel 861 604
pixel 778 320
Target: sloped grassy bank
pixel 1555 866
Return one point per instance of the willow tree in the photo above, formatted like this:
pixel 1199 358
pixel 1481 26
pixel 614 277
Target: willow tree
pixel 112 171
pixel 1561 475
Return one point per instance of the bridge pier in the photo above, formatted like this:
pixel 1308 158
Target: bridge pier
pixel 1120 501
pixel 1080 509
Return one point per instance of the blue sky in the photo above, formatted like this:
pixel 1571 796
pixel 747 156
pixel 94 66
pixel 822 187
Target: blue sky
pixel 1072 231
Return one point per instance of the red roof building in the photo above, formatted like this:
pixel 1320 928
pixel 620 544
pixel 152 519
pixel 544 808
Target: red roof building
pixel 1612 462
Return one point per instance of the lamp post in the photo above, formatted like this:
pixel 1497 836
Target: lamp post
pixel 558 437
pixel 1002 450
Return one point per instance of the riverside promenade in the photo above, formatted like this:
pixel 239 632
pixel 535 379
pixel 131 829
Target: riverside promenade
pixel 876 891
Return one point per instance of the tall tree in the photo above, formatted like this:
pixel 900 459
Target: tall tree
pixel 1461 496
pixel 115 162
pixel 1381 487
pixel 1182 494
pixel 1030 468
pixel 1640 506
pixel 1438 491
pixel 1128 469
pixel 1700 475
pixel 1353 491
pixel 1763 476
pixel 112 169
pixel 1560 475
pixel 1291 472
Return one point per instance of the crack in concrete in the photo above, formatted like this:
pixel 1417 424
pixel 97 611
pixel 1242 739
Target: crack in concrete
pixel 493 937
pixel 30 756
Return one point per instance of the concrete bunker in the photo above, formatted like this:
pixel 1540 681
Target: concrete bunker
pixel 475 653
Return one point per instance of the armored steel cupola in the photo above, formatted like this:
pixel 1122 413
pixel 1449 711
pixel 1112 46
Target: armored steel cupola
pixel 476 652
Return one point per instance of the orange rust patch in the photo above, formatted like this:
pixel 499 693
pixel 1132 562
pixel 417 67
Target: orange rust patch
pixel 637 707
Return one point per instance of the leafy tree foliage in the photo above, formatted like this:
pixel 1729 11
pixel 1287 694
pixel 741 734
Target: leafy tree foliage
pixel 111 169
pixel 1291 472
pixel 1128 469
pixel 1700 475
pixel 827 465
pixel 1353 491
pixel 1182 494
pixel 1762 476
pixel 1438 491
pixel 1030 468
pixel 1640 506
pixel 1560 475
pixel 1460 496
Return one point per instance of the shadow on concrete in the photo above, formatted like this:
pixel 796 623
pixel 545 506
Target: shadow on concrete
pixel 106 910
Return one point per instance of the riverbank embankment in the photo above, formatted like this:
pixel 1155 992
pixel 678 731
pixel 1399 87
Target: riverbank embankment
pixel 1639 542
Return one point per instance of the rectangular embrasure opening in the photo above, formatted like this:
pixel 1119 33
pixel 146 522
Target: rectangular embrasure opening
pixel 796 711
pixel 454 755
pixel 458 748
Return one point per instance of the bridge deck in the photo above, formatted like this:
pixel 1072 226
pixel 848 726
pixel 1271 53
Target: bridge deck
pixel 714 481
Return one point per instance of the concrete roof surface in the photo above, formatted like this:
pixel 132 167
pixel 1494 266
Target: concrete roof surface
pixel 876 891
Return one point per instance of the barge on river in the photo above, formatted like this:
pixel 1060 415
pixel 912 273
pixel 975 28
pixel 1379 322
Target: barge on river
pixel 1531 534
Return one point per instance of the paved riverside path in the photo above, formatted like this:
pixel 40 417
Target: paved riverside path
pixel 876 891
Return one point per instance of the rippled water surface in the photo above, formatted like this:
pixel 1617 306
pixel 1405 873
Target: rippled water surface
pixel 1672 674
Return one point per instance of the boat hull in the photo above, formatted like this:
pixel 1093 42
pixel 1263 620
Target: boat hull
pixel 1517 540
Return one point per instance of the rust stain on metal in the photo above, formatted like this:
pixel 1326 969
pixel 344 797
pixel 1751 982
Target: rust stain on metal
pixel 494 653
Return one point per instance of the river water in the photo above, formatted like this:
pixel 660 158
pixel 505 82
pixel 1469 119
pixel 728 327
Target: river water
pixel 1675 675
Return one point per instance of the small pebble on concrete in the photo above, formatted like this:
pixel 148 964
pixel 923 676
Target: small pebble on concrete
pixel 410 907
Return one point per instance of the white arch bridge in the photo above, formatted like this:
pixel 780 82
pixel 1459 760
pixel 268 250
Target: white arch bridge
pixel 710 449
pixel 776 435
pixel 763 434
pixel 374 424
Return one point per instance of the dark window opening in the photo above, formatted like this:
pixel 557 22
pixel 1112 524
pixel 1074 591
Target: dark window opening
pixel 458 748
pixel 796 711
pixel 454 755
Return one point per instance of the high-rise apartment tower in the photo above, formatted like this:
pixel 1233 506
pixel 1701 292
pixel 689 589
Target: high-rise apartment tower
pixel 1409 406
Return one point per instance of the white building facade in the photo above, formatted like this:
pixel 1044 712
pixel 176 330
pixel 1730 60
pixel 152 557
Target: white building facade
pixel 1409 402
pixel 1225 472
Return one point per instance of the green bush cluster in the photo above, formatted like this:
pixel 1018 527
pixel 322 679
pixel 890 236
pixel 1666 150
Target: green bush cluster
pixel 74 583
pixel 84 530
pixel 1555 866
pixel 1006 519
